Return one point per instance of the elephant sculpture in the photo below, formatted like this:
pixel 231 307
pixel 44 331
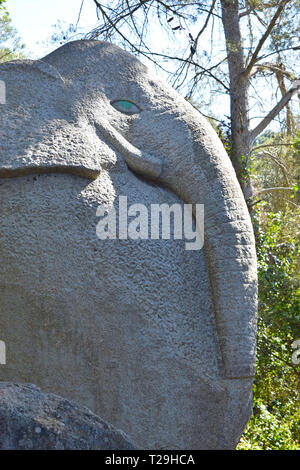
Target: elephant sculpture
pixel 156 339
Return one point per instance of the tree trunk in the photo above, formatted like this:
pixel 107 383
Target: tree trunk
pixel 239 83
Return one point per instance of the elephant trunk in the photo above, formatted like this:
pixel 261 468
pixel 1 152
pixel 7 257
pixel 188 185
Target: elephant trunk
pixel 206 176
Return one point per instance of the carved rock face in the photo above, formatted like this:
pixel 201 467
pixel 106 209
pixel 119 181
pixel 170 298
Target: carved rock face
pixel 158 340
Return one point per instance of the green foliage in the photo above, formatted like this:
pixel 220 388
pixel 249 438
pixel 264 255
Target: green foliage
pixel 276 413
pixel 11 46
pixel 269 430
pixel 276 410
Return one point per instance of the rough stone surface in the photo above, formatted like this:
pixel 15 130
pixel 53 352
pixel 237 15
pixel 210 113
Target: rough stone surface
pixel 33 420
pixel 156 339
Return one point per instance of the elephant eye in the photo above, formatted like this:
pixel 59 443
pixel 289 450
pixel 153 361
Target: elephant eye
pixel 126 106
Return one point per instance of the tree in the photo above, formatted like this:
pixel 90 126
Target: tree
pixel 11 46
pixel 241 22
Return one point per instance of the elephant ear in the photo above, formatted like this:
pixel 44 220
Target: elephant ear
pixel 38 67
pixel 40 105
pixel 31 90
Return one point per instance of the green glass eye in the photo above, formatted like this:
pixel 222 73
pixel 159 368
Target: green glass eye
pixel 125 106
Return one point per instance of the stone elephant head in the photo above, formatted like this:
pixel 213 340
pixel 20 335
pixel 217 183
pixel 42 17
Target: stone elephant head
pixel 158 340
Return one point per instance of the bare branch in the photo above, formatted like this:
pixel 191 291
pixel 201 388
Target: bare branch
pixel 276 52
pixel 186 65
pixel 276 160
pixel 264 37
pixel 275 68
pixel 277 108
pixel 193 63
pixel 121 16
pixel 167 7
pixel 113 25
pixel 247 12
pixel 79 15
pixel 279 188
pixel 210 117
pixel 291 202
pixel 205 24
pixel 272 145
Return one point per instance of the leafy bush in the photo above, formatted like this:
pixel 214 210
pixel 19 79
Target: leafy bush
pixel 276 413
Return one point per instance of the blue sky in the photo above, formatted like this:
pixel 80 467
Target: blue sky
pixel 34 20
